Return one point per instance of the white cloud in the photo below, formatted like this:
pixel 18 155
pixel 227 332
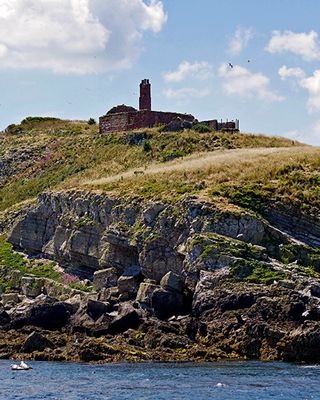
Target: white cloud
pixel 75 36
pixel 240 40
pixel 199 70
pixel 3 50
pixel 312 85
pixel 240 81
pixel 186 93
pixel 285 72
pixel 302 44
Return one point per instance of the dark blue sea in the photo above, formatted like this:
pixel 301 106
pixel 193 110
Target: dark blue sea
pixel 226 380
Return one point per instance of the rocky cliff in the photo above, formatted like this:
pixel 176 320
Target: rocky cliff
pixel 193 280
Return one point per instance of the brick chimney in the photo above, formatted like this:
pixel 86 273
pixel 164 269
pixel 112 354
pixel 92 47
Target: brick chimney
pixel 145 95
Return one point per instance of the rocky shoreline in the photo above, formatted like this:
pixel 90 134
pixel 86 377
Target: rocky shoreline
pixel 187 282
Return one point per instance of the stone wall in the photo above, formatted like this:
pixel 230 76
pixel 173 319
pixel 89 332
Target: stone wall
pixel 114 122
pixel 220 126
pixel 138 119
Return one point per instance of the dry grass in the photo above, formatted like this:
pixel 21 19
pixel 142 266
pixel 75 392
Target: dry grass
pixel 219 160
pixel 289 174
pixel 72 154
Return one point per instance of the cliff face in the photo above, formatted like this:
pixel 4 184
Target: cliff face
pixel 206 281
pixel 96 231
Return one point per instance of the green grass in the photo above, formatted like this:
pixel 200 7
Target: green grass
pixel 5 285
pixel 11 259
pixel 264 276
pixel 256 272
pixel 82 287
pixel 40 269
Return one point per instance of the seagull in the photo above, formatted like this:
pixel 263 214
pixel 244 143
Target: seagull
pixel 230 65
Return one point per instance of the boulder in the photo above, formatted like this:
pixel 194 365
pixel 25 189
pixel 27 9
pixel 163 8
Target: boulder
pixel 49 316
pixel 75 302
pixel 166 303
pixel 105 278
pixel 10 299
pixel 96 308
pixel 128 318
pixel 145 292
pixel 4 318
pixel 172 281
pixel 31 287
pixel 127 284
pixel 135 138
pixel 36 342
pixel 108 294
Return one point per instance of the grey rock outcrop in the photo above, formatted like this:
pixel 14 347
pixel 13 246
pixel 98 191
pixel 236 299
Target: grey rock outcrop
pixel 167 303
pixel 172 281
pixel 128 283
pixel 36 342
pixel 94 232
pixel 105 278
pixel 97 308
pixel 128 318
pixel 145 292
pixel 31 287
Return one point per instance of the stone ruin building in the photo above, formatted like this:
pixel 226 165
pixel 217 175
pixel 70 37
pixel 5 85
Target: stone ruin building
pixel 124 118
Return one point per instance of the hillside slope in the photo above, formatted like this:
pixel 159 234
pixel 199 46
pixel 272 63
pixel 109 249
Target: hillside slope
pixel 158 246
pixel 41 154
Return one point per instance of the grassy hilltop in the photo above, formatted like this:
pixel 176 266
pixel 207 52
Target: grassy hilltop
pixel 51 154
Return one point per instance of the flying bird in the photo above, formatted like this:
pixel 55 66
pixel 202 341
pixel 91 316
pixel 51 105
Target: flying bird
pixel 230 65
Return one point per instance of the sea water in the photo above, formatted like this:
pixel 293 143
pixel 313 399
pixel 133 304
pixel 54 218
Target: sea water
pixel 169 381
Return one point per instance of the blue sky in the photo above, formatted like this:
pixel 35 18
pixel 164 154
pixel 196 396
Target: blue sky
pixel 76 59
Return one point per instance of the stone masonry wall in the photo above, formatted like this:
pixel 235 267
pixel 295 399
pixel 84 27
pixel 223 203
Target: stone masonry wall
pixel 140 119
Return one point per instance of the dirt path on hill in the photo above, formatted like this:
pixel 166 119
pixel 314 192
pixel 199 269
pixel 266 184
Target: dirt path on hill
pixel 200 160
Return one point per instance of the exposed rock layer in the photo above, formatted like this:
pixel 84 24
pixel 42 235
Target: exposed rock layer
pixel 168 277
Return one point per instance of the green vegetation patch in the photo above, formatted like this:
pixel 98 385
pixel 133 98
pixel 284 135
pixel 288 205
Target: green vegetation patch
pixel 5 285
pixel 213 244
pixel 256 272
pixel 201 128
pixel 10 258
pixel 40 269
pixel 252 196
pixel 305 256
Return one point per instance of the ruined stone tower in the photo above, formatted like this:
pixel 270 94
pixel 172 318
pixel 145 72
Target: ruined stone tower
pixel 145 95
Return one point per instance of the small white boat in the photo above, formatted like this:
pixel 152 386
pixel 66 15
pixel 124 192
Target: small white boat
pixel 20 367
